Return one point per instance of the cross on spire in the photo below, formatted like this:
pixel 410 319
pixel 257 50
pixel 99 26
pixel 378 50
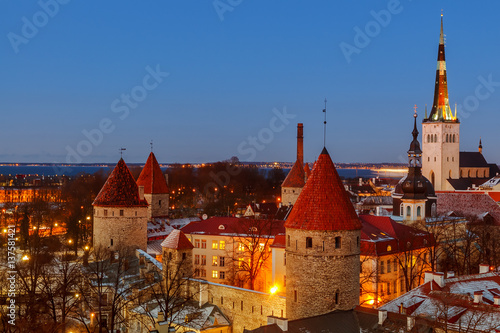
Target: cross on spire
pixel 121 151
pixel 151 144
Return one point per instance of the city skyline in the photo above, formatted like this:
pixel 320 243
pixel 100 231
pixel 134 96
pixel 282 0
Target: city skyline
pixel 207 80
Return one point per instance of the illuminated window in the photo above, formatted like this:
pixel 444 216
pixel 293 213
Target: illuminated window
pixel 241 262
pixel 222 261
pixel 215 245
pixel 389 248
pixel 222 245
pixel 196 259
pixel 215 274
pixel 197 243
pixel 241 247
pixel 203 244
pixel 203 260
pixel 261 247
pixel 215 260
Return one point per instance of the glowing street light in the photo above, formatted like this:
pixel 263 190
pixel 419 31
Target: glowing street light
pixel 86 247
pixel 88 218
pixel 274 290
pixel 70 241
pixel 26 257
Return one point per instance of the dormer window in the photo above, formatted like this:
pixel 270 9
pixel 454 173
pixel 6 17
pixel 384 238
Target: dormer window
pixel 222 227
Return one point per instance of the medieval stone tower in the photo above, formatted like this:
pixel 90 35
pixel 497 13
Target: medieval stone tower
pixel 295 180
pixel 177 256
pixel 441 131
pixel 322 246
pixel 120 212
pixel 155 188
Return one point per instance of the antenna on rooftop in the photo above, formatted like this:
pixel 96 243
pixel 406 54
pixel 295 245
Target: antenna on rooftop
pixel 324 124
pixel 121 151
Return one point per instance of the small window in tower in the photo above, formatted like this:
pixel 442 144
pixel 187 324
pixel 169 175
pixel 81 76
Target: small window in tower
pixel 111 242
pixel 434 158
pixel 284 259
pixel 401 209
pixel 170 256
pixel 159 203
pixel 419 211
pixel 408 211
pixel 337 296
pixel 288 240
pixel 428 159
pixel 338 242
pixel 309 242
pixel 435 138
pixel 447 159
pixel 121 212
pixel 323 245
pixel 105 212
pixel 184 256
pixel 428 138
pixel 453 137
pixel 112 213
pixel 357 241
pixel 135 213
pixel 295 298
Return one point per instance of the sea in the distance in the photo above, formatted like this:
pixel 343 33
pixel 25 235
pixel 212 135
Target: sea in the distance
pixel 75 170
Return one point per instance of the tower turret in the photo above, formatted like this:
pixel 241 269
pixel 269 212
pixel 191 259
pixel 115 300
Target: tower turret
pixel 120 212
pixel 322 246
pixel 155 188
pixel 295 180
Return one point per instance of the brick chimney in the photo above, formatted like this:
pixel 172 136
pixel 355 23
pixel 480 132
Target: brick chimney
pixel 300 143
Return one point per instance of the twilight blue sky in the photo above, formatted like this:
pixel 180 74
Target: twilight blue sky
pixel 228 68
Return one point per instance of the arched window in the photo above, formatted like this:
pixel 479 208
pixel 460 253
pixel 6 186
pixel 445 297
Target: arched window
pixel 419 211
pixel 432 138
pixel 432 178
pixel 435 138
pixel 447 137
pixel 408 211
pixel 453 137
pixel 428 138
pixel 401 209
pixel 389 248
pixel 449 173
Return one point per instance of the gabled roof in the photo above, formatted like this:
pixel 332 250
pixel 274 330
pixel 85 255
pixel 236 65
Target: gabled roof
pixel 295 177
pixel 323 203
pixel 472 203
pixel 177 240
pixel 120 189
pixel 472 159
pixel 233 226
pixel 152 177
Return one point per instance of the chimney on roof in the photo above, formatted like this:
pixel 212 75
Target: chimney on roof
pixel 439 279
pixel 428 276
pixel 410 323
pixel 484 268
pixel 300 144
pixel 161 316
pixel 141 192
pixel 496 300
pixel 450 274
pixel 478 297
pixel 382 316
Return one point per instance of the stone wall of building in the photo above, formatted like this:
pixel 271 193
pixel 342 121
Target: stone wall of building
pixel 289 195
pixel 321 276
pixel 157 204
pixel 116 227
pixel 247 309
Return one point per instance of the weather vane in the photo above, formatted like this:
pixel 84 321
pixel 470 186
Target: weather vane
pixel 415 108
pixel 324 124
pixel 121 151
pixel 151 143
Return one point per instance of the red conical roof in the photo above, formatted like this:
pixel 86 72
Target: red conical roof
pixel 323 203
pixel 295 177
pixel 307 171
pixel 120 189
pixel 177 240
pixel 152 177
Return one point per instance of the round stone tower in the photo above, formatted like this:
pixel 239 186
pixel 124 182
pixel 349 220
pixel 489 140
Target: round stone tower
pixel 120 212
pixel 177 257
pixel 155 188
pixel 322 246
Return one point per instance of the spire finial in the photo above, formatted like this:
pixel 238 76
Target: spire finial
pixel 151 144
pixel 121 151
pixel 441 35
pixel 415 130
pixel 324 124
pixel 480 145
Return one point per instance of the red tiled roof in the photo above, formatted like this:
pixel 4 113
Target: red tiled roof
pixel 307 171
pixel 177 240
pixel 468 203
pixel 279 241
pixel 152 177
pixel 120 189
pixel 378 232
pixel 233 226
pixel 323 203
pixel 295 177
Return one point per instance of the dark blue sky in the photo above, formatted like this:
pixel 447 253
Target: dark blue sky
pixel 230 63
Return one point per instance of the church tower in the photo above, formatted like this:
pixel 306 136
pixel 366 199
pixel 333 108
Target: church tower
pixel 120 212
pixel 295 180
pixel 414 198
pixel 322 246
pixel 441 131
pixel 155 188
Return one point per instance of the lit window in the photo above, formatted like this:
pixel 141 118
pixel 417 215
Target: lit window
pixel 203 244
pixel 241 262
pixel 215 261
pixel 197 243
pixel 215 274
pixel 241 247
pixel 203 260
pixel 261 247
pixel 389 248
pixel 222 245
pixel 215 245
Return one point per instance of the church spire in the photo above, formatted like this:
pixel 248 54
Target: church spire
pixel 480 146
pixel 415 153
pixel 441 110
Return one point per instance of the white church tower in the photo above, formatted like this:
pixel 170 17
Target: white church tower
pixel 441 132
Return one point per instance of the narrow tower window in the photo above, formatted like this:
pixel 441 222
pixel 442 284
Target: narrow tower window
pixel 408 211
pixel 419 211
pixel 309 242
pixel 338 242
pixel 295 296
